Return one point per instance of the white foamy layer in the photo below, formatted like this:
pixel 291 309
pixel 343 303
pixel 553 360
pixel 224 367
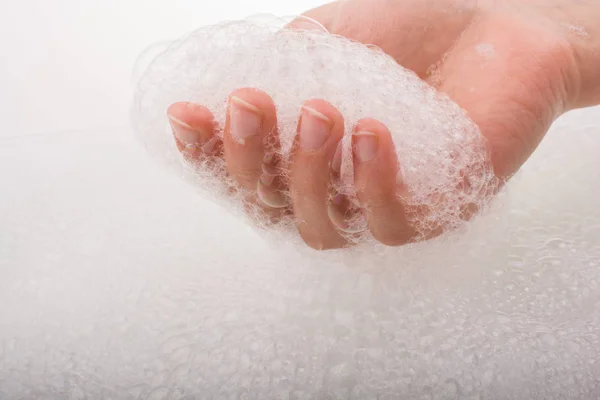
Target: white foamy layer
pixel 442 154
pixel 118 281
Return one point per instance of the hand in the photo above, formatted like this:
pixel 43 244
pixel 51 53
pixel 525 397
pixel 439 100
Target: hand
pixel 510 67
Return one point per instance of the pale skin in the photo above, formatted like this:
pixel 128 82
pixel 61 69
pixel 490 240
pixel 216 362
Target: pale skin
pixel 513 65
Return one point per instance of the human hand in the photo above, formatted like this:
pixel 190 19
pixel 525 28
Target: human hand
pixel 513 69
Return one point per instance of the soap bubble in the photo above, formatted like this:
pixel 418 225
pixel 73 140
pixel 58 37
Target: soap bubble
pixel 119 281
pixel 443 157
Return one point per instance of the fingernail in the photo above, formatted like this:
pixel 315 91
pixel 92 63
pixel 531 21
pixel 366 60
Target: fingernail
pixel 184 132
pixel 365 146
pixel 345 218
pixel 336 163
pixel 314 129
pixel 267 179
pixel 209 147
pixel 245 119
pixel 269 197
pixel 307 24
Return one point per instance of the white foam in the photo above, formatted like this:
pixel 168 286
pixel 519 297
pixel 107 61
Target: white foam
pixel 439 148
pixel 119 281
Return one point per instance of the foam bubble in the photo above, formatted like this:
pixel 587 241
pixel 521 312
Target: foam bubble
pixel 443 158
pixel 120 282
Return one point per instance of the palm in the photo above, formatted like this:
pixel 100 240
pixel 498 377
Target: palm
pixel 508 73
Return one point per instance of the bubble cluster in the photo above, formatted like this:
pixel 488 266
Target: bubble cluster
pixel 120 281
pixel 443 158
pixel 123 283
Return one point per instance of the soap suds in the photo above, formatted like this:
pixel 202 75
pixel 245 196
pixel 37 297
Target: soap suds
pixel 443 156
pixel 120 282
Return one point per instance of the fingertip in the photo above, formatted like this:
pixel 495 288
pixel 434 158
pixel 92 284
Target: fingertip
pixel 257 101
pixel 377 128
pixel 376 174
pixel 375 159
pixel 320 129
pixel 251 123
pixel 250 135
pixel 193 127
pixel 192 116
pixel 322 109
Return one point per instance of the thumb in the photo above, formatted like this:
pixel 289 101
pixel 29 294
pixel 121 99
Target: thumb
pixel 402 29
pixel 513 90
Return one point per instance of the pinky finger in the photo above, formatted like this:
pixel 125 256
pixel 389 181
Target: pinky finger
pixel 194 130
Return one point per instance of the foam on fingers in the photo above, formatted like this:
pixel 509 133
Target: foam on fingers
pixel 439 147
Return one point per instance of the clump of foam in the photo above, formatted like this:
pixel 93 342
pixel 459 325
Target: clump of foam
pixel 443 157
pixel 121 283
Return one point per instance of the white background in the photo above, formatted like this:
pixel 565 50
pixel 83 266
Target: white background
pixel 66 65
pixel 104 257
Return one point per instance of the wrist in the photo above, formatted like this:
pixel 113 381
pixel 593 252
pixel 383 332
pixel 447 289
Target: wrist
pixel 577 22
pixel 586 47
pixel 574 27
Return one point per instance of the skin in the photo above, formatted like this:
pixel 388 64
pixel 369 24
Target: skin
pixel 514 66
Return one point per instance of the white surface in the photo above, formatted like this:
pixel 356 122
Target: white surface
pixel 119 282
pixel 67 64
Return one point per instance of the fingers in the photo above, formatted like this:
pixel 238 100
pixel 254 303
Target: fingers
pixel 378 189
pixel 250 120
pixel 251 146
pixel 194 130
pixel 320 129
pixel 342 212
